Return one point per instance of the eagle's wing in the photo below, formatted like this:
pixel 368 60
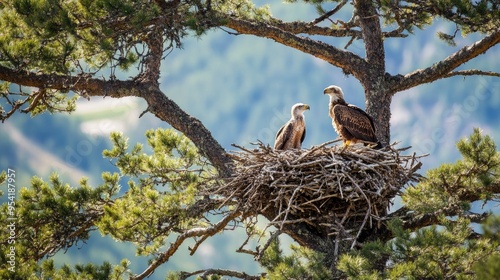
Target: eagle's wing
pixel 283 136
pixel 303 136
pixel 356 121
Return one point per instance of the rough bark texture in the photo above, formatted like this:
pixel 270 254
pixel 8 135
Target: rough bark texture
pixel 344 59
pixel 379 88
pixel 165 109
pixel 378 99
pixel 370 71
pixel 158 104
pixel 445 67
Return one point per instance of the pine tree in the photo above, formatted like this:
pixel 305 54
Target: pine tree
pixel 53 50
pixel 442 240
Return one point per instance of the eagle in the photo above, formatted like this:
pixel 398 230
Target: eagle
pixel 292 134
pixel 350 122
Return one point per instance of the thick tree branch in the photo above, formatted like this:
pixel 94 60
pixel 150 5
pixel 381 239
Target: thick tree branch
pixel 159 105
pixel 220 272
pixel 300 27
pixel 373 78
pixel 350 62
pixel 81 84
pixel 444 68
pixel 152 61
pixel 167 110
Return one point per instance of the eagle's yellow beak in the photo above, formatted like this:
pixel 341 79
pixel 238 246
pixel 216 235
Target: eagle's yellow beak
pixel 306 107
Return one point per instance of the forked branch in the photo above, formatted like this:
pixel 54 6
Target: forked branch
pixel 158 103
pixel 444 68
pixel 195 232
pixel 350 62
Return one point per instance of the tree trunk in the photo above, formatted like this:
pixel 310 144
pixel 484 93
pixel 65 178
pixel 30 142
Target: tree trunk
pixel 378 100
pixel 378 106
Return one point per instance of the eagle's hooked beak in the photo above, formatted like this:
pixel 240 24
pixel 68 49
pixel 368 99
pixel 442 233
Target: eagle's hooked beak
pixel 330 89
pixel 306 107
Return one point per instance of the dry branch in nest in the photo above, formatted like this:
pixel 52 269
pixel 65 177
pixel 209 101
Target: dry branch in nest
pixel 338 191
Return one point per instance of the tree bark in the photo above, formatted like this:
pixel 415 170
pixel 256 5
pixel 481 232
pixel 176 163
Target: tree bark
pixel 378 99
pixel 158 104
pixel 369 70
pixel 444 67
pixel 348 61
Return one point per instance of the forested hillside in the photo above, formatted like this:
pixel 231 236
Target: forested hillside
pixel 242 88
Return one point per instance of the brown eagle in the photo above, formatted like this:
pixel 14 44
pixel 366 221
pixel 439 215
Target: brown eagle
pixel 350 122
pixel 292 134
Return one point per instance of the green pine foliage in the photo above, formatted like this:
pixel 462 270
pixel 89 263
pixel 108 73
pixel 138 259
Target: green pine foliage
pixel 158 201
pixel 450 247
pixel 244 9
pixel 469 16
pixel 101 33
pixel 437 252
pixel 3 177
pixel 455 186
pixel 52 216
pixel 302 263
pixel 155 195
pixel 164 181
pixel 489 267
pixel 61 36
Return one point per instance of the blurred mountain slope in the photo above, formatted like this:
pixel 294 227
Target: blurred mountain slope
pixel 242 88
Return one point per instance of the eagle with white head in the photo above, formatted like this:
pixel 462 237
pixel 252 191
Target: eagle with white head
pixel 292 134
pixel 351 123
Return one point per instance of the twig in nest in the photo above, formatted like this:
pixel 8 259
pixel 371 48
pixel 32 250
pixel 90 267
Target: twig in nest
pixel 337 191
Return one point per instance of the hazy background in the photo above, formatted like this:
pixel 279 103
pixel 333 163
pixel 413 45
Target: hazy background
pixel 242 88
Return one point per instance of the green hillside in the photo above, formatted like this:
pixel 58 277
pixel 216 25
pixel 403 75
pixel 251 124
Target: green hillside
pixel 242 88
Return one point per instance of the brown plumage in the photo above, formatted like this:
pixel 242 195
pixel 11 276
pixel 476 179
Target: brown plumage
pixel 350 122
pixel 292 134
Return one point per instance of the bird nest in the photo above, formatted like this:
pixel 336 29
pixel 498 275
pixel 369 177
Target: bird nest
pixel 335 190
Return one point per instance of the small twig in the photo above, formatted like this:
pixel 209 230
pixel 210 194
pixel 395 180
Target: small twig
pixel 273 237
pixel 37 96
pixel 144 112
pixel 368 211
pixel 350 41
pixel 336 192
pixel 329 13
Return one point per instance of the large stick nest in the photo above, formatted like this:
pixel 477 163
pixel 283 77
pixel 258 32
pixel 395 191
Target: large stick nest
pixel 338 191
